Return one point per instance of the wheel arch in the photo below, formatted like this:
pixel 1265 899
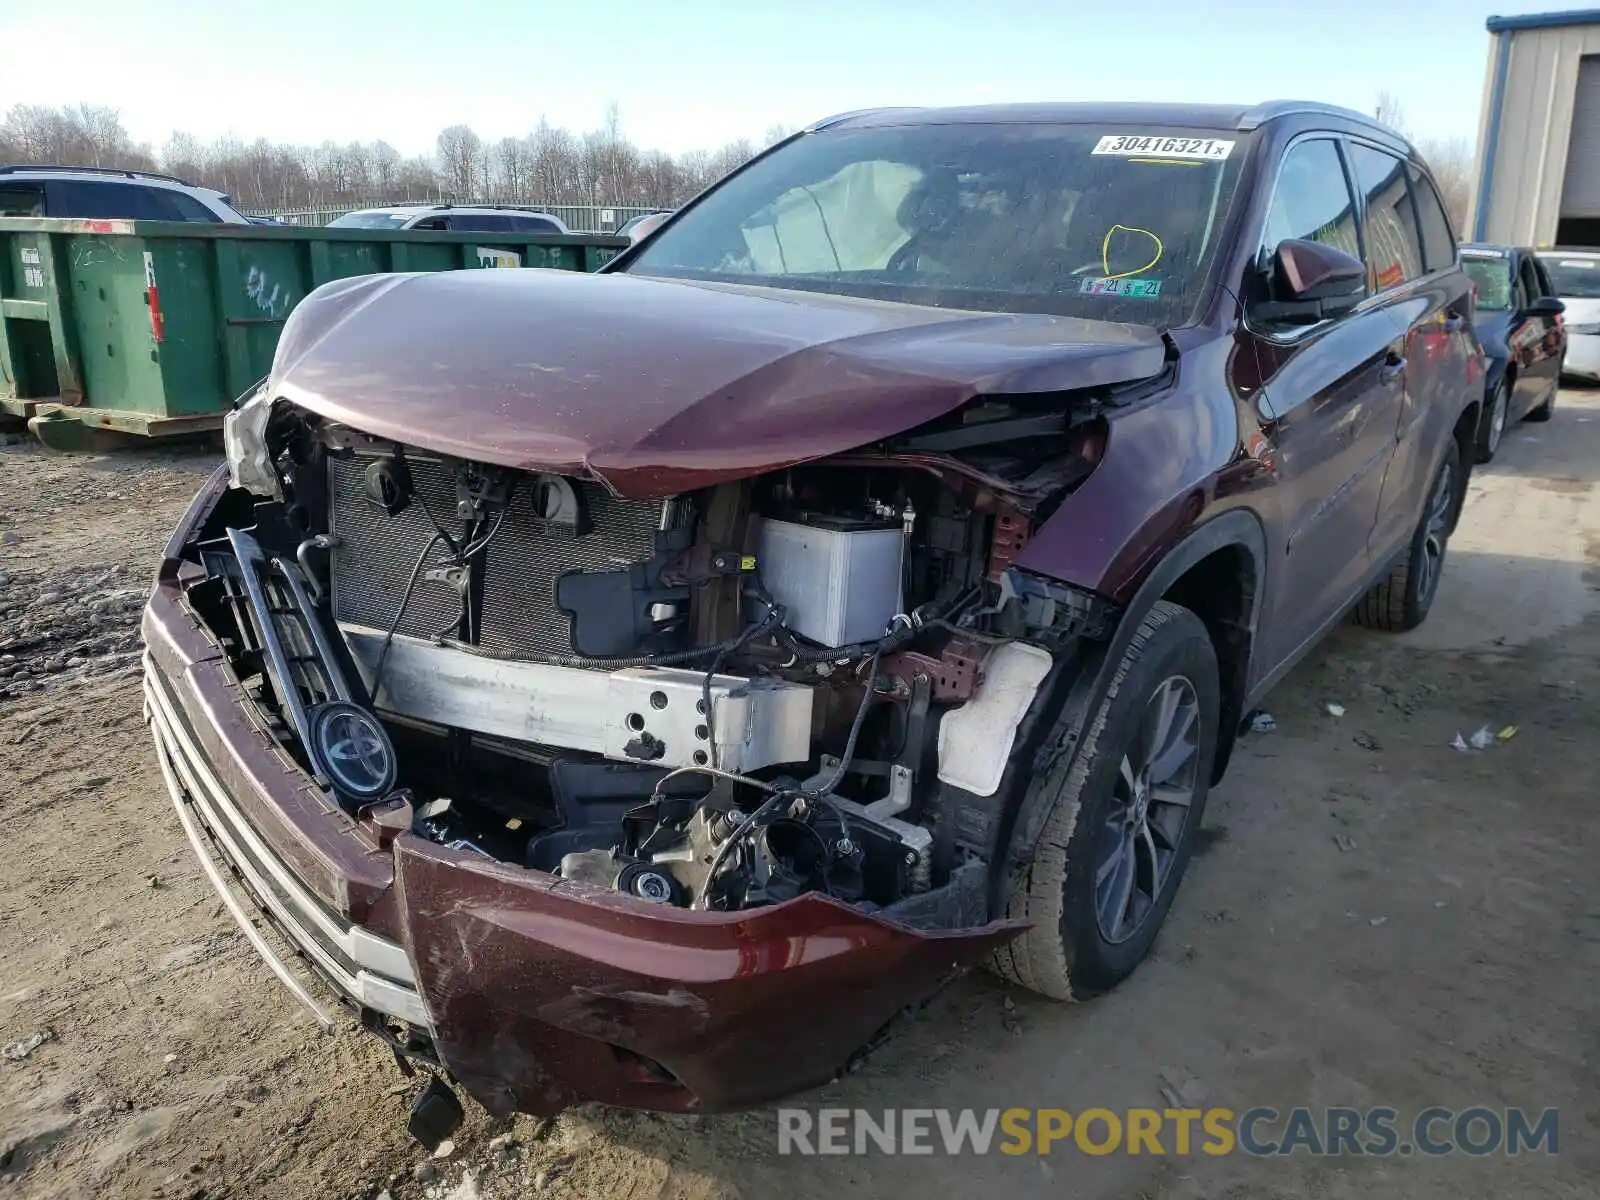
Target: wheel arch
pixel 1194 567
pixel 1465 435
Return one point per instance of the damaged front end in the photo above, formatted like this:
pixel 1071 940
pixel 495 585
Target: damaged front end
pixel 585 796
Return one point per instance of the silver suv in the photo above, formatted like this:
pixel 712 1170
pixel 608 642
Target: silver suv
pixel 495 219
pixel 103 192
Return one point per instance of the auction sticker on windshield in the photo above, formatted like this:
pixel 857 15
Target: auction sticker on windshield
pixel 1138 146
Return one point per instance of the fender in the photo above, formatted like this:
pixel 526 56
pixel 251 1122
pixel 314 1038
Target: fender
pixel 1082 684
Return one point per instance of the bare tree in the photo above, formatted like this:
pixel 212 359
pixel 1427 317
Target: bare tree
pixel 460 160
pixel 555 165
pixel 511 178
pixel 385 169
pixel 184 156
pixel 1388 112
pixel 1455 171
pixel 550 166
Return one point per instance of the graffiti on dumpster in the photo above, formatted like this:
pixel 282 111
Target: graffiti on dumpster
pixel 32 269
pixel 271 298
pixel 489 257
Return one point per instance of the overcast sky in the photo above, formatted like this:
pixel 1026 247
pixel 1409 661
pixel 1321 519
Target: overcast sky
pixel 698 73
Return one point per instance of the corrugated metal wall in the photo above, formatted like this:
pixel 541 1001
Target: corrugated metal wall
pixel 1535 126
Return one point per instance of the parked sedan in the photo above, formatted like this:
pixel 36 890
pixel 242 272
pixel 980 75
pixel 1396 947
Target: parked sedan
pixel 1575 276
pixel 492 219
pixel 1519 323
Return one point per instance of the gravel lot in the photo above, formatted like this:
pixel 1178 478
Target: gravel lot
pixel 1377 917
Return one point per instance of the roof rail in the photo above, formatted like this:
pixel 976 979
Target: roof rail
pixel 14 168
pixel 1259 115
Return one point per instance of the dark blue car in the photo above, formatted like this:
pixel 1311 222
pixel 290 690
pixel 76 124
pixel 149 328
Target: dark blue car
pixel 1518 319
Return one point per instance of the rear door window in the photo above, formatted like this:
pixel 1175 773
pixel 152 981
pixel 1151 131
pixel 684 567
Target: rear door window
pixel 1393 245
pixel 1438 242
pixel 481 223
pixel 91 199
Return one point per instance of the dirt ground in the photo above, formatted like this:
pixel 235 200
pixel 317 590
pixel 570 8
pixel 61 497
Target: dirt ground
pixel 1377 919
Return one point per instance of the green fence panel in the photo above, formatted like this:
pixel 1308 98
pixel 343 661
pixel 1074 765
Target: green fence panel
pixel 155 327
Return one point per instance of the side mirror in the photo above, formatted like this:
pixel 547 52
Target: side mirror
pixel 1312 282
pixel 1546 306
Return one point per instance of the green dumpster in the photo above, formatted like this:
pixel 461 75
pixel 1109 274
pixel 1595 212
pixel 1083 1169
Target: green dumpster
pixel 154 327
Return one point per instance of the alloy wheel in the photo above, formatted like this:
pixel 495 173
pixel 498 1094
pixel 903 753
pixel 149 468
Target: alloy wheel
pixel 1148 816
pixel 1497 418
pixel 1438 532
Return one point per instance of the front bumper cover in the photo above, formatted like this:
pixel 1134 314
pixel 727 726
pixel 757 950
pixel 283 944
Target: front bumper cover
pixel 537 992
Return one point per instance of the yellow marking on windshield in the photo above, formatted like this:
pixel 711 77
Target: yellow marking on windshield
pixel 1168 162
pixel 1105 251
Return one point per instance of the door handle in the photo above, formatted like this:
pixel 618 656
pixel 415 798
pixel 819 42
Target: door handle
pixel 1393 367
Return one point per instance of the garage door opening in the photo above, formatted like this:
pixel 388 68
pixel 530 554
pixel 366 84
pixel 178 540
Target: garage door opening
pixel 1580 189
pixel 1578 231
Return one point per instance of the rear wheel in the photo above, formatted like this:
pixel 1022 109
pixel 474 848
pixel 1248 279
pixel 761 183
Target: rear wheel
pixel 1401 600
pixel 1121 831
pixel 1546 410
pixel 1492 425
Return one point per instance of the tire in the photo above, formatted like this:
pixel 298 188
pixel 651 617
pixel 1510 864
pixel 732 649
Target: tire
pixel 1401 600
pixel 1492 425
pixel 1081 865
pixel 1546 410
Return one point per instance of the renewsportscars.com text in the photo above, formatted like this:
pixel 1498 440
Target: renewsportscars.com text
pixel 1373 1132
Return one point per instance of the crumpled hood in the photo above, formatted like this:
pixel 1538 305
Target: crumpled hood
pixel 658 386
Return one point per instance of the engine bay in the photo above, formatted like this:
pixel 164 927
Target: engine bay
pixel 717 700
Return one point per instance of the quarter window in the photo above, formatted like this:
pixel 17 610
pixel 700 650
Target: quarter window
pixel 1312 200
pixel 91 200
pixel 1394 251
pixel 534 225
pixel 1438 243
pixel 182 207
pixel 482 223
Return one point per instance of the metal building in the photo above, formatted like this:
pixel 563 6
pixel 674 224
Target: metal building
pixel 1539 132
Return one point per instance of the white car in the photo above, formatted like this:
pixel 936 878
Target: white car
pixel 498 219
pixel 639 227
pixel 105 193
pixel 1575 278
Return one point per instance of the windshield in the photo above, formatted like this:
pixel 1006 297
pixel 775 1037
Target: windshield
pixel 376 219
pixel 1492 278
pixel 1573 278
pixel 1112 223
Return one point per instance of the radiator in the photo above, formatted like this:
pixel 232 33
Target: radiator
pixel 376 554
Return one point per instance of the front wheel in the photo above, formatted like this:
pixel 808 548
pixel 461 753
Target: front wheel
pixel 1124 816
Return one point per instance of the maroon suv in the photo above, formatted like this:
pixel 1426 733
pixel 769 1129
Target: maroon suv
pixel 641 687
